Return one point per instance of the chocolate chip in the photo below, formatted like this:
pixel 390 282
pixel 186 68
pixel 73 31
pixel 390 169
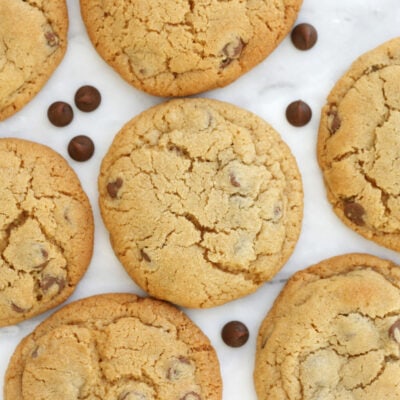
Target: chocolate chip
pixel 235 334
pixel 81 148
pixel 394 331
pixel 18 309
pixel 48 281
pixel 113 187
pixel 178 368
pixel 87 98
pixel 277 213
pixel 354 212
pixel 35 353
pixel 191 396
pixel 234 180
pixel 231 51
pixel 132 396
pixel 334 121
pixel 45 254
pixel 52 39
pixel 304 36
pixel 298 113
pixel 145 256
pixel 60 113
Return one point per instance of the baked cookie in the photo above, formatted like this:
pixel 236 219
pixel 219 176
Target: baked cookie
pixel 46 230
pixel 202 199
pixel 33 40
pixel 115 347
pixel 333 333
pixel 358 142
pixel 180 47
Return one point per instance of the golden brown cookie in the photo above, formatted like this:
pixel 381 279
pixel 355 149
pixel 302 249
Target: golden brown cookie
pixel 46 230
pixel 202 199
pixel 33 40
pixel 115 347
pixel 333 333
pixel 358 142
pixel 179 47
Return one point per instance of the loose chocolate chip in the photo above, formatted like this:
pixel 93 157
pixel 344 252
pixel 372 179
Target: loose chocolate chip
pixel 231 51
pixel 298 113
pixel 87 98
pixel 81 148
pixel 235 334
pixel 354 212
pixel 394 331
pixel 60 113
pixel 48 281
pixel 113 187
pixel 191 396
pixel 304 36
pixel 234 180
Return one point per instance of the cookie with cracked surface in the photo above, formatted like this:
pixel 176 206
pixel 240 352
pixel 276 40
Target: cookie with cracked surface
pixel 182 47
pixel 202 199
pixel 46 230
pixel 358 143
pixel 333 333
pixel 115 347
pixel 29 55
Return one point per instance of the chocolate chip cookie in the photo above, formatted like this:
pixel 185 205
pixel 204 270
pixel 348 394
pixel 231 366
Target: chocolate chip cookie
pixel 358 142
pixel 180 47
pixel 33 40
pixel 46 230
pixel 115 347
pixel 202 199
pixel 333 333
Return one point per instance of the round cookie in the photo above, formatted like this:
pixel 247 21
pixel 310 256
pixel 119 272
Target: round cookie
pixel 33 40
pixel 180 47
pixel 333 333
pixel 46 230
pixel 202 199
pixel 115 347
pixel 358 143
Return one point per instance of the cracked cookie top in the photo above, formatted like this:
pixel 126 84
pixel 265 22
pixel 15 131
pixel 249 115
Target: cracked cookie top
pixel 202 199
pixel 33 40
pixel 358 142
pixel 115 347
pixel 333 333
pixel 46 230
pixel 182 47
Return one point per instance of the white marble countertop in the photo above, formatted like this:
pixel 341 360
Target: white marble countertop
pixel 346 29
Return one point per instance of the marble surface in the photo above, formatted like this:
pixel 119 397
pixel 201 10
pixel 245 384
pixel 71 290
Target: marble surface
pixel 346 29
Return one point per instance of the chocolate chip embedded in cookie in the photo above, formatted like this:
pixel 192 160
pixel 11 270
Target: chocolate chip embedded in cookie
pixel 46 230
pixel 115 347
pixel 333 333
pixel 358 142
pixel 202 199
pixel 180 47
pixel 28 57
